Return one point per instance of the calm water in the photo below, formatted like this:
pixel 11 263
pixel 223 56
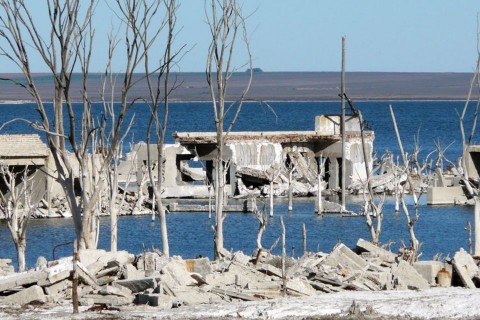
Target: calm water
pixel 440 229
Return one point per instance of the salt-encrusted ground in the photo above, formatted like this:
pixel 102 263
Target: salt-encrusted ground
pixel 433 303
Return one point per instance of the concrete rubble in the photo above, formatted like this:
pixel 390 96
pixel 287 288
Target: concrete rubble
pixel 122 279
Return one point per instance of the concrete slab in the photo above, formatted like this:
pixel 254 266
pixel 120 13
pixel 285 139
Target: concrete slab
pixel 405 277
pixel 465 261
pixel 201 266
pixel 347 258
pixel 137 285
pixel 428 270
pixel 29 295
pixel 20 279
pixel 363 245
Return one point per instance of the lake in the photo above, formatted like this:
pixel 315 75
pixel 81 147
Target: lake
pixel 441 229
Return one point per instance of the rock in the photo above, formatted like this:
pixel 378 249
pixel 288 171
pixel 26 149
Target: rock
pixel 428 270
pixel 29 295
pixel 406 277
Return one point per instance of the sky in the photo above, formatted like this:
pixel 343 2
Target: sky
pixel 305 35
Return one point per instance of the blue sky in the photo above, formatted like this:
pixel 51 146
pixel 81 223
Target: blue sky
pixel 305 35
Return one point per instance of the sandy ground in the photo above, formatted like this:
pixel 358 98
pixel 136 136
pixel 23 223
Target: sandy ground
pixel 435 303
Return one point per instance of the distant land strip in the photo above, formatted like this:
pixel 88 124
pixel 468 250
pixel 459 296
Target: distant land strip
pixel 272 86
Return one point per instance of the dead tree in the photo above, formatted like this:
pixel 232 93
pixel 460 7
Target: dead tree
pixel 17 203
pixel 225 21
pixel 371 207
pixel 66 48
pixel 411 221
pixel 262 220
pixel 159 89
pixel 404 157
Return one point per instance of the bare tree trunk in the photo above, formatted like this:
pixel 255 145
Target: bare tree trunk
pixel 304 235
pixel 271 198
pixel 405 161
pixel 21 246
pixel 290 191
pixel 225 20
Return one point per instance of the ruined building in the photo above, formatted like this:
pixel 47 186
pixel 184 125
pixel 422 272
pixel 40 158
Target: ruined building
pixel 253 159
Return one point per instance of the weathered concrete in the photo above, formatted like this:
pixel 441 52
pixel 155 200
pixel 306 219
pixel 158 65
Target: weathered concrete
pixel 201 266
pixel 465 267
pixel 20 279
pixel 347 258
pixel 363 245
pixel 406 277
pixel 31 294
pixel 138 285
pixel 446 195
pixel 428 270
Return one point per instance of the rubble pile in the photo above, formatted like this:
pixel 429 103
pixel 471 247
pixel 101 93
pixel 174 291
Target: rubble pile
pixel 119 279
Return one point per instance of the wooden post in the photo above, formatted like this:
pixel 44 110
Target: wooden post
pixel 476 226
pixel 271 198
pixel 290 191
pixel 75 278
pixel 284 254
pixel 304 233
pixel 343 131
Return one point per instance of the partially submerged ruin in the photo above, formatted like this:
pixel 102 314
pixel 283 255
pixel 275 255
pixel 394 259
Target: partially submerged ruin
pixel 254 159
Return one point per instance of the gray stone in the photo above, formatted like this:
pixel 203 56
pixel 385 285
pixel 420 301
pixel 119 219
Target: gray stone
pixel 406 277
pixel 31 294
pixel 347 258
pixel 428 270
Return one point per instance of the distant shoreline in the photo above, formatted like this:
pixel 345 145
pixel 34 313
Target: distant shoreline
pixel 277 86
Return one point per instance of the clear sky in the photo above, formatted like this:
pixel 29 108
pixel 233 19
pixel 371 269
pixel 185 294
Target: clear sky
pixel 305 35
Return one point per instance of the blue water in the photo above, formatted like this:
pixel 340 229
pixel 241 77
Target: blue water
pixel 440 229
